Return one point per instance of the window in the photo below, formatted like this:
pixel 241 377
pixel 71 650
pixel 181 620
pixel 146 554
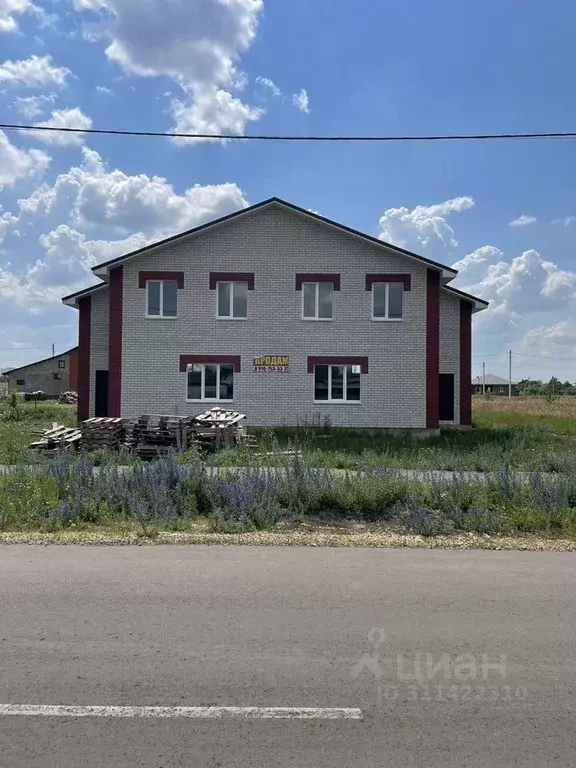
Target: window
pixel 20 382
pixel 387 301
pixel 337 383
pixel 317 301
pixel 210 382
pixel 61 363
pixel 232 301
pixel 57 376
pixel 161 298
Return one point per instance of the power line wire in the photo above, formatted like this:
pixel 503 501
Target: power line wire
pixel 544 357
pixel 270 137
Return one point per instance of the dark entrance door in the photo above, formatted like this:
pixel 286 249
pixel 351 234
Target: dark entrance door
pixel 446 397
pixel 101 394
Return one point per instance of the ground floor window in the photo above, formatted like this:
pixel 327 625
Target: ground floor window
pixel 337 383
pixel 210 382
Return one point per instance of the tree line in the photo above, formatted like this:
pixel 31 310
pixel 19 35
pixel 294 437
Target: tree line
pixel 549 388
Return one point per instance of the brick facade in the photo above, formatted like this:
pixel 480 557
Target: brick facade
pixel 450 344
pixel 401 360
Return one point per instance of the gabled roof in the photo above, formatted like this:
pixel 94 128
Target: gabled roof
pixel 37 362
pixel 102 269
pixel 72 299
pixel 477 304
pixel 491 380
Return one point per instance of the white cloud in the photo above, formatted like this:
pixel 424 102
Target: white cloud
pixel 191 41
pixel 64 118
pixel 32 106
pixel 18 163
pixel 90 195
pixel 543 337
pixel 271 85
pixel 64 266
pixel 301 101
pixel 9 9
pixel 135 210
pixel 196 43
pixel 522 221
pixel 527 284
pixel 33 72
pixel 212 111
pixel 103 89
pixel 566 221
pixel 480 256
pixel 423 225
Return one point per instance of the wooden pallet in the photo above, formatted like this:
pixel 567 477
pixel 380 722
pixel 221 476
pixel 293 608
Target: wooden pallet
pixel 56 438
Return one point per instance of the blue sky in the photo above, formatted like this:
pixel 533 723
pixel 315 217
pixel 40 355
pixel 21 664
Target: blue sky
pixel 504 212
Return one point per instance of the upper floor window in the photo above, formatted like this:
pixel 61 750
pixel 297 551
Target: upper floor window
pixel 61 363
pixel 387 301
pixel 161 298
pixel 57 376
pixel 210 381
pixel 232 300
pixel 20 382
pixel 317 301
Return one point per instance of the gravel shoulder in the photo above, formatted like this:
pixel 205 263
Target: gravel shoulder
pixel 320 536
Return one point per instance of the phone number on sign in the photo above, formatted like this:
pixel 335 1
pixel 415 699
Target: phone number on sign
pixel 460 693
pixel 270 369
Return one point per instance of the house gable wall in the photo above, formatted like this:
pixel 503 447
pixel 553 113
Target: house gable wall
pixel 276 244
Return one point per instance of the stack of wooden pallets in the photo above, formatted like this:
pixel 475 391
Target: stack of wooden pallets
pixel 102 433
pixel 152 434
pixel 217 428
pixel 56 438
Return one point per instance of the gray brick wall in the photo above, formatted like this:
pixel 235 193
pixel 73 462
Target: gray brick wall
pixel 98 339
pixel 40 376
pixel 450 344
pixel 275 244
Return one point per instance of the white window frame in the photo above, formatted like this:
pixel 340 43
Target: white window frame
pixel 231 283
pixel 343 400
pixel 387 319
pixel 202 398
pixel 161 316
pixel 317 303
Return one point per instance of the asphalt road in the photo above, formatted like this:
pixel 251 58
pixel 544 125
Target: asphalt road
pixel 455 658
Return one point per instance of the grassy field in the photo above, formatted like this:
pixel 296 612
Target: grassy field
pixel 541 413
pixel 178 495
pixel 20 425
pixel 533 434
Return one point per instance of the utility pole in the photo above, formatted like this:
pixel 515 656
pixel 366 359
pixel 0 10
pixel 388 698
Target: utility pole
pixel 483 378
pixel 510 373
pixel 53 352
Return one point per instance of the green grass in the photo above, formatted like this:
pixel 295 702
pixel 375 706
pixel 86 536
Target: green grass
pixel 561 425
pixel 20 425
pixel 487 448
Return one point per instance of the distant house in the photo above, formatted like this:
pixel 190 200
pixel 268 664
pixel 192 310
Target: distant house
pixel 53 375
pixel 495 385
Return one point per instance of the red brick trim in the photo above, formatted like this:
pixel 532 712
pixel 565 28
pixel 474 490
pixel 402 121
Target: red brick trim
pixel 465 363
pixel 115 341
pixel 432 349
pixel 317 277
pixel 342 360
pixel 84 333
pixel 384 278
pixel 186 360
pixel 232 277
pixel 143 277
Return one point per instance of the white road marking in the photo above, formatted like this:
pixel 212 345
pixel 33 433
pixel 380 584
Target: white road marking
pixel 258 713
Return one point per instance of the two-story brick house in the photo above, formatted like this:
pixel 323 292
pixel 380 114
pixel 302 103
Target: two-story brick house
pixel 284 315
